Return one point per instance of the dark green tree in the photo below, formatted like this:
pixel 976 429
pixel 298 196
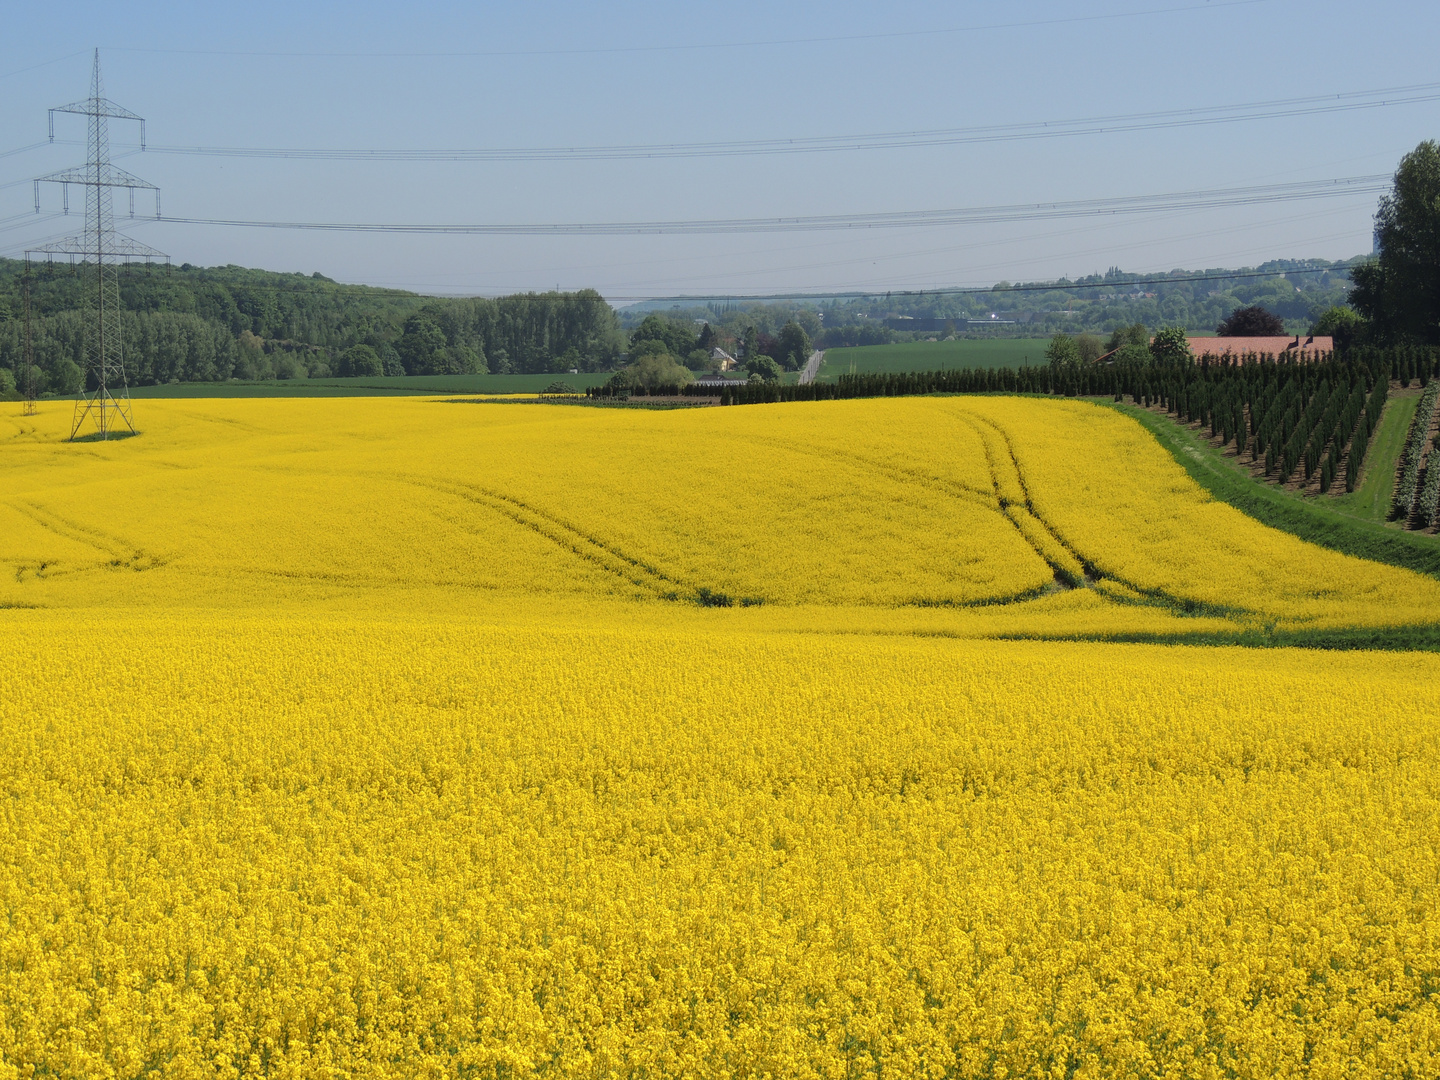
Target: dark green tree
pixel 765 367
pixel 1252 321
pixel 420 345
pixel 1134 355
pixel 1062 351
pixel 1171 346
pixel 794 346
pixel 390 361
pixel 360 360
pixel 677 338
pixel 1134 334
pixel 1341 323
pixel 1399 291
pixel 460 360
pixel 658 370
pixel 648 347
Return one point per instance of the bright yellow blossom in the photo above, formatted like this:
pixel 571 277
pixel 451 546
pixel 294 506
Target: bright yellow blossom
pixel 389 737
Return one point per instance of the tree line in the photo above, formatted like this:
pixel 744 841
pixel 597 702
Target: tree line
pixel 198 324
pixel 1296 290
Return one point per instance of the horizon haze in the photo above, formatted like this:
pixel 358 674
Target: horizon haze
pixel 560 114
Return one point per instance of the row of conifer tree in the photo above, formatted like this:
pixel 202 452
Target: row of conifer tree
pixel 1412 501
pixel 1307 411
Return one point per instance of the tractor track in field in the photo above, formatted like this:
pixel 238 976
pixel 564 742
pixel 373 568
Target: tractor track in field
pixel 952 488
pixel 607 556
pixel 1007 482
pixel 1072 568
pixel 115 552
pixel 659 583
pixel 1009 496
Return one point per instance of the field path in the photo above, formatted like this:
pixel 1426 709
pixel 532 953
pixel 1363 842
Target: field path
pixel 812 367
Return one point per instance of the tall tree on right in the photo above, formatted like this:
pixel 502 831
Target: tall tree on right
pixel 1399 291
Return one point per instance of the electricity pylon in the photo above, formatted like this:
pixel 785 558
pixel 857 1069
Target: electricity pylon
pixel 105 398
pixel 28 389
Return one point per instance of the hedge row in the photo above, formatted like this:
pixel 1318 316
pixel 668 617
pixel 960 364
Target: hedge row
pixel 1360 440
pixel 1406 487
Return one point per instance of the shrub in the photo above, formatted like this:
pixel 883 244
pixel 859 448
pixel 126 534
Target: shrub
pixel 1062 351
pixel 1406 486
pixel 1171 346
pixel 763 367
pixel 658 370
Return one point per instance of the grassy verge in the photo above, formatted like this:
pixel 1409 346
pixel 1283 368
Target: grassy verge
pixel 1390 639
pixel 1371 498
pixel 1318 524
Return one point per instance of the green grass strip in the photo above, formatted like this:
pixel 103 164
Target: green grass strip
pixel 1388 639
pixel 1371 498
pixel 1318 524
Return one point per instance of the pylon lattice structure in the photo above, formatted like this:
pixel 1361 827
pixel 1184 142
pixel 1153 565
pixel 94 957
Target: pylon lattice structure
pixel 28 375
pixel 105 398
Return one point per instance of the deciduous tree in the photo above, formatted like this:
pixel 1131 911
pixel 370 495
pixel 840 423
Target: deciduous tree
pixel 658 369
pixel 794 346
pixel 1171 346
pixel 419 345
pixel 1062 351
pixel 1399 291
pixel 1251 322
pixel 360 360
pixel 1089 347
pixel 1135 334
pixel 765 367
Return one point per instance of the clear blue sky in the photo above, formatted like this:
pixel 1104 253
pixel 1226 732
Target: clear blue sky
pixel 555 74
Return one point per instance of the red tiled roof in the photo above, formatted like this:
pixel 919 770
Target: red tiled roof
pixel 1239 346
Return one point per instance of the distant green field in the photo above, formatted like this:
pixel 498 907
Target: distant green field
pixel 402 384
pixel 933 356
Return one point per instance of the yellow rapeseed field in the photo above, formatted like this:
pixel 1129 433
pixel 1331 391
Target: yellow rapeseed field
pixel 394 737
pixel 893 504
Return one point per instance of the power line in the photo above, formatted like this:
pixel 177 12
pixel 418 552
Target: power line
pixel 986 290
pixel 1061 285
pixel 1187 200
pixel 23 149
pixel 714 279
pixel 105 398
pixel 44 63
pixel 698 46
pixel 1025 131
